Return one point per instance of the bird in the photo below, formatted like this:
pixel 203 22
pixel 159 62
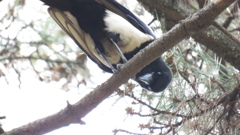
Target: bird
pixel 109 34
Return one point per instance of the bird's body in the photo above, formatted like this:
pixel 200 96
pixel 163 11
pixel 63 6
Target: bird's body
pixel 101 28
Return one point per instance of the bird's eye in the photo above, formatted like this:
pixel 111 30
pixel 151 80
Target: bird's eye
pixel 157 75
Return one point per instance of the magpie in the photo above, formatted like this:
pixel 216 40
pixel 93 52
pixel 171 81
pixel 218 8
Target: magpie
pixel 110 35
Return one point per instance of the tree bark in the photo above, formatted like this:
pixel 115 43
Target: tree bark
pixel 213 38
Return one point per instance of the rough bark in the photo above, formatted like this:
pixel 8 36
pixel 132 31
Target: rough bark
pixel 213 38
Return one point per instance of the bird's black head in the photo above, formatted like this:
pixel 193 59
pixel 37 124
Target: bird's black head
pixel 154 77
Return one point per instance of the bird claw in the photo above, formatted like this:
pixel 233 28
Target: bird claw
pixel 114 70
pixel 119 66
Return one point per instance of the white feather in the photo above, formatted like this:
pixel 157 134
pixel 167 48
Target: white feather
pixel 131 36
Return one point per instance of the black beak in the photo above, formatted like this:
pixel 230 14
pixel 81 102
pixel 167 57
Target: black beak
pixel 147 79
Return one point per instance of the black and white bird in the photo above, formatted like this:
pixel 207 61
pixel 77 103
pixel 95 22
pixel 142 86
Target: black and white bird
pixel 110 35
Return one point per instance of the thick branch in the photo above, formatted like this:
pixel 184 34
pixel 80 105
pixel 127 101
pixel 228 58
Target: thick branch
pixel 73 113
pixel 213 38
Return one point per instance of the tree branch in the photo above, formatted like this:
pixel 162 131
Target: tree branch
pixel 213 38
pixel 73 113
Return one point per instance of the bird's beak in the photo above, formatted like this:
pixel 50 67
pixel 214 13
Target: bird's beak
pixel 147 78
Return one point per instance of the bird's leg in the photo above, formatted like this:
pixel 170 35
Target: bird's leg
pixel 122 56
pixel 108 62
pixel 154 19
pixel 120 52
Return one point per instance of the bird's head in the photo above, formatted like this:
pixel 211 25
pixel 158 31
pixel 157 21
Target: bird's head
pixel 155 76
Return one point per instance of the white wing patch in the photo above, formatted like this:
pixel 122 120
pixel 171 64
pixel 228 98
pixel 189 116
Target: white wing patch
pixel 131 36
pixel 70 25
